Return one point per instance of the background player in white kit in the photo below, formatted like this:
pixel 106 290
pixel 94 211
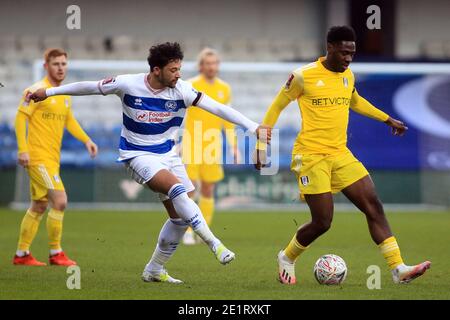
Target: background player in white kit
pixel 154 105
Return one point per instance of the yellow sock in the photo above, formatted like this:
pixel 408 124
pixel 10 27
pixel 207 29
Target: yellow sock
pixel 294 249
pixel 54 228
pixel 207 208
pixel 391 252
pixel 28 229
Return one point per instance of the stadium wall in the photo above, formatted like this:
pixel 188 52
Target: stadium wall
pixel 299 19
pixel 108 186
pixel 421 23
pixel 418 23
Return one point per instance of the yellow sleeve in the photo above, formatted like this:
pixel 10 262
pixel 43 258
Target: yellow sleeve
pixel 75 129
pixel 27 107
pixel 288 93
pixel 364 107
pixel 21 131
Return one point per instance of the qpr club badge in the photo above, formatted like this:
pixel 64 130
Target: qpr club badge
pixel 171 105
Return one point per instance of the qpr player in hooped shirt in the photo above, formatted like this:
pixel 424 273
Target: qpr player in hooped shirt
pixel 151 118
pixel 153 109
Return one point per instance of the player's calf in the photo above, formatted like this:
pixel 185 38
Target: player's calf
pixel 188 210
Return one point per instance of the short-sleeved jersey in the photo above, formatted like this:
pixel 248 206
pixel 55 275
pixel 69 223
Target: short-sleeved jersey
pixel 324 99
pixel 151 118
pixel 46 122
pixel 203 120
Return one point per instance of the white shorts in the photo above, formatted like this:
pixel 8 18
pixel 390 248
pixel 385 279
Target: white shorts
pixel 143 169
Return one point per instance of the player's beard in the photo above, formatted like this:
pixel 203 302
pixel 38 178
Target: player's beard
pixel 170 84
pixel 57 77
pixel 166 82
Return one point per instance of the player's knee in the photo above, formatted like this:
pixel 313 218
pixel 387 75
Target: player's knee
pixel 207 190
pixel 322 225
pixel 39 207
pixel 191 194
pixel 177 190
pixel 60 204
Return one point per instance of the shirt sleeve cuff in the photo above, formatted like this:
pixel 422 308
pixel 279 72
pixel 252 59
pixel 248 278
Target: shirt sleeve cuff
pixel 50 92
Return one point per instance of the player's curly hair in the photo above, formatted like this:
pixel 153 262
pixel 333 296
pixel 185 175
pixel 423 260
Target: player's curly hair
pixel 162 54
pixel 341 33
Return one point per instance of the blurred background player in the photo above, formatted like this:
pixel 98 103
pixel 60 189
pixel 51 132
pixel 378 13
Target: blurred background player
pixel 39 131
pixel 321 160
pixel 208 171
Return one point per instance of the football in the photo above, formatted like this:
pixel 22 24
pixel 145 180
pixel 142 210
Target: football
pixel 330 269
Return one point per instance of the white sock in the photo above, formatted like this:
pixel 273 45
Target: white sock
pixel 189 211
pixel 22 253
pixel 401 268
pixel 55 251
pixel 169 238
pixel 286 258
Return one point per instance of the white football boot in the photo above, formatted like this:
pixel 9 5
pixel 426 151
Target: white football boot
pixel 159 276
pixel 286 269
pixel 223 254
pixel 405 274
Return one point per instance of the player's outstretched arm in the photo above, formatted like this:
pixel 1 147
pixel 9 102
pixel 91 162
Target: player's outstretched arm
pixel 225 112
pixel 292 89
pixel 82 88
pixel 270 119
pixel 365 108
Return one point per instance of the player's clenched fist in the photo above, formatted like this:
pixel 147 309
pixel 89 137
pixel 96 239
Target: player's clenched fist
pixel 398 128
pixel 38 95
pixel 264 133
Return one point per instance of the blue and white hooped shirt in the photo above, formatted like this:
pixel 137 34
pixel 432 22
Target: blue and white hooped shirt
pixel 151 118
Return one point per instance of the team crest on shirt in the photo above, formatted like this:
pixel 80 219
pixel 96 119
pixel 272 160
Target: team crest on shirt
pixel 170 105
pixel 66 102
pixel 304 180
pixel 345 81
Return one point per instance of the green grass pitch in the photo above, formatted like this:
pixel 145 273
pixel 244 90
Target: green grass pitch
pixel 113 247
